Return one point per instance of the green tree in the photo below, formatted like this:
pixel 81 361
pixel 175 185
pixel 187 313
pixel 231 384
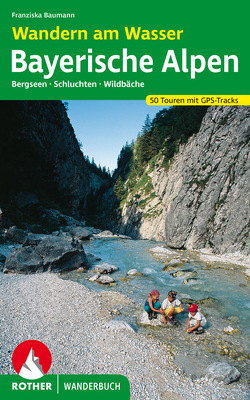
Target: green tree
pixel 146 127
pixel 119 188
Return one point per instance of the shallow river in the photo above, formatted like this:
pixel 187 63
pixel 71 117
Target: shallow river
pixel 228 286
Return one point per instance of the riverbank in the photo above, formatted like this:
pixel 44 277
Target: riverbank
pixel 73 322
pixel 235 258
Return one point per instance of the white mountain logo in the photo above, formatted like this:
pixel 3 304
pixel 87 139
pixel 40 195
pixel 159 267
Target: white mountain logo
pixel 31 369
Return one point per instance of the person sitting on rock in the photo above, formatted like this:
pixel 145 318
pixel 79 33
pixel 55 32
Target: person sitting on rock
pixel 196 320
pixel 170 307
pixel 152 305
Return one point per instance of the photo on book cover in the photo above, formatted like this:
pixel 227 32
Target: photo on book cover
pixel 124 246
pixel 124 201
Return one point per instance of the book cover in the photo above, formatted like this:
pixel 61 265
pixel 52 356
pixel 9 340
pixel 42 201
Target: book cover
pixel 124 200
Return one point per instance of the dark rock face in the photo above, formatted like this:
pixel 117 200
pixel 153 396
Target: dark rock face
pixel 2 261
pixel 41 158
pixel 47 254
pixel 2 258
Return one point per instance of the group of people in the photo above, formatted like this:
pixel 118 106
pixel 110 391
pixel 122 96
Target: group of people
pixel 172 306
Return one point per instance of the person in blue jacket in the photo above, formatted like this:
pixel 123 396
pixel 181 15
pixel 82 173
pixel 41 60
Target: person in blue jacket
pixel 152 305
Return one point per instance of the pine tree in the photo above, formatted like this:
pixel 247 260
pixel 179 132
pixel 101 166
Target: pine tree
pixel 119 188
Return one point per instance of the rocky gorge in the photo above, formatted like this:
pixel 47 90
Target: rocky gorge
pixel 197 199
pixel 196 206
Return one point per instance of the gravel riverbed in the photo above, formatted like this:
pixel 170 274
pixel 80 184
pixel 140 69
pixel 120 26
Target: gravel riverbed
pixel 73 322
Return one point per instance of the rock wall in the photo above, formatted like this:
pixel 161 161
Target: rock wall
pixel 40 156
pixel 202 200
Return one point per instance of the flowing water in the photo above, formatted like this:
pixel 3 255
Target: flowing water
pixel 229 306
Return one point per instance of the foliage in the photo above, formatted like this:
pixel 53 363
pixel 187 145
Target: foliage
pixel 124 162
pixel 102 172
pixel 160 137
pixel 119 188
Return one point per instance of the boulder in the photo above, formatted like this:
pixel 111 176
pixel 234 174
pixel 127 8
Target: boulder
pixel 24 260
pixel 134 272
pixel 56 233
pixel 168 268
pixel 188 273
pixel 94 278
pixel 32 240
pixel 16 235
pixel 208 302
pixel 59 254
pixel 80 233
pixel 76 244
pixel 188 300
pixel 124 237
pixel 173 264
pixel 161 250
pixel 105 280
pixel 81 269
pixel 105 268
pixel 222 372
pixel 230 331
pixel 105 234
pixel 109 234
pixel 143 320
pixel 189 280
pixel 48 254
pixel 93 230
pixel 162 253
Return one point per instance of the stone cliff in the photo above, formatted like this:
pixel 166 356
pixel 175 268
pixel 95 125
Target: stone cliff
pixel 202 199
pixel 41 162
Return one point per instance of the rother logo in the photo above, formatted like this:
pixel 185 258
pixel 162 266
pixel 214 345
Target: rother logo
pixel 31 359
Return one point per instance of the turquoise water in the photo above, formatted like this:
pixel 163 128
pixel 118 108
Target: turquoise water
pixel 229 287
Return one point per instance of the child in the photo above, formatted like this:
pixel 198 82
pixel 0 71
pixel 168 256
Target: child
pixel 170 307
pixel 152 305
pixel 196 320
